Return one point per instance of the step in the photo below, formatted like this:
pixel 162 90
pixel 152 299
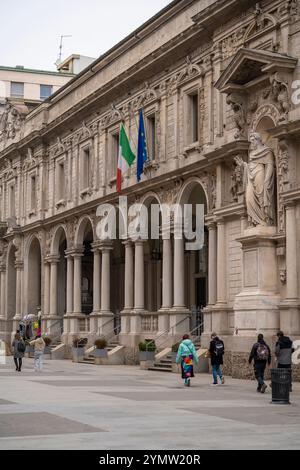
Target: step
pixel 163 366
pixel 160 369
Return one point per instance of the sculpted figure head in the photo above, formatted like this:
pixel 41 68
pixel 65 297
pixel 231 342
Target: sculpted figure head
pixel 255 140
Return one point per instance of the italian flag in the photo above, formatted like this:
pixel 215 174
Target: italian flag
pixel 126 157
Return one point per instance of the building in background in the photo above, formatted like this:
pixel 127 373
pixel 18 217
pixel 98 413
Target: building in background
pixel 215 80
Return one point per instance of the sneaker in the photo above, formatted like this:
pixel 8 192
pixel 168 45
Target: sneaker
pixel 213 385
pixel 189 383
pixel 263 388
pixel 222 380
pixel 258 390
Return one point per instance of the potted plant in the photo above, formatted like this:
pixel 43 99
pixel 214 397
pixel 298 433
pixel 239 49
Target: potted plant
pixel 147 350
pixel 78 349
pixel 100 351
pixel 47 341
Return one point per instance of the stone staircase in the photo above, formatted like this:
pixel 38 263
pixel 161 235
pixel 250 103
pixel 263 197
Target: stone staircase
pixel 165 364
pixel 89 358
pixel 56 342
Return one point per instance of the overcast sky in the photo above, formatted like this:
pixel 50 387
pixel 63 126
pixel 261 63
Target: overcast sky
pixel 30 30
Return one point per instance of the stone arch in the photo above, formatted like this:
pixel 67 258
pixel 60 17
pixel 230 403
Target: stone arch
pixel 81 230
pixel 187 189
pixel 265 111
pixel 33 274
pixel 60 232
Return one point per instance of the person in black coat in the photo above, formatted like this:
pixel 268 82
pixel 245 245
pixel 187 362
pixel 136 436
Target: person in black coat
pixel 216 352
pixel 261 355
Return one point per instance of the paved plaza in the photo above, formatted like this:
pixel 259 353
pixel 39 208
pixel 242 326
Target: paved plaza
pixel 78 406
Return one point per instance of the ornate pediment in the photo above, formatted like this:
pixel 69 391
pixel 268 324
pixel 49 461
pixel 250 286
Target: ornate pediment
pixel 250 65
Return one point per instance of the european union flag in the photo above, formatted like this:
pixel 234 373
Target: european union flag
pixel 142 154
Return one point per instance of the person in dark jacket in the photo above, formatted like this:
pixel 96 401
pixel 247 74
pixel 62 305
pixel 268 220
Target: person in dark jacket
pixel 18 355
pixel 261 355
pixel 216 352
pixel 283 352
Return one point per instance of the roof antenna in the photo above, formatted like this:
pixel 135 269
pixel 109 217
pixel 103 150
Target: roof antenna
pixel 60 48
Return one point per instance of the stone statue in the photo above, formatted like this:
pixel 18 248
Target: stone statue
pixel 259 182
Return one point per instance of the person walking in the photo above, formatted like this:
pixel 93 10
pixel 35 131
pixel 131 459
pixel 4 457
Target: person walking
pixel 283 352
pixel 19 347
pixel 39 346
pixel 216 352
pixel 261 355
pixel 186 356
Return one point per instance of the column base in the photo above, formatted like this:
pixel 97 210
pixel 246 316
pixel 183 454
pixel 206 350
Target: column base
pixel 105 324
pixel 219 318
pixel 164 320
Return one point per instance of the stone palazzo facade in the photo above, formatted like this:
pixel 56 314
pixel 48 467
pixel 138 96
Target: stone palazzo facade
pixel 215 80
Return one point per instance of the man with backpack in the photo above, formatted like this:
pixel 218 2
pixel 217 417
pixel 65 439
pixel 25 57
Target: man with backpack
pixel 261 354
pixel 216 351
pixel 283 352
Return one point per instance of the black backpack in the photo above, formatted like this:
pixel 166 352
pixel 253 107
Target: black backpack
pixel 219 348
pixel 21 347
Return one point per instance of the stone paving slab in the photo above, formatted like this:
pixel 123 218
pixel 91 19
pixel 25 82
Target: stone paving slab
pixel 37 424
pixel 253 415
pixel 6 402
pixel 123 407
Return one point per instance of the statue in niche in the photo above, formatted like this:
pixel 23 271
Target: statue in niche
pixel 259 182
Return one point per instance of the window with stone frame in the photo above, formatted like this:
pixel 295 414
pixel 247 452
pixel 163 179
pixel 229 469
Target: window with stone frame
pixel 85 168
pixel 60 181
pixel 191 116
pixel 33 194
pixel 11 201
pixel 151 135
pixel 113 153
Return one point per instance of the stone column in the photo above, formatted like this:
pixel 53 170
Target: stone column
pixel 139 277
pixel 290 307
pixel 106 322
pixel 212 264
pixel 70 283
pixel 179 274
pixel 128 288
pixel 221 263
pixel 167 286
pixel 96 281
pixel 179 319
pixel 2 290
pixel 167 294
pixel 46 288
pixel 129 282
pixel 54 260
pixel 77 255
pixel 19 268
pixel 291 250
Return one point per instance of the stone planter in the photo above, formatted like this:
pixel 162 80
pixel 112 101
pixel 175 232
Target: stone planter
pixel 78 354
pixel 100 356
pixel 147 359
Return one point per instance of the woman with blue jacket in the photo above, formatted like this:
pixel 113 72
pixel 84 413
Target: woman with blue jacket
pixel 186 356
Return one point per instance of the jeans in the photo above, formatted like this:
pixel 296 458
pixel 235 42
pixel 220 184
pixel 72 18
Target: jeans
pixel 259 369
pixel 38 360
pixel 216 371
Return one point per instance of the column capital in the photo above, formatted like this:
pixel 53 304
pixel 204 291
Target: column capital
pixel 96 246
pixel 52 259
pixel 106 246
pixel 127 242
pixel 220 221
pixel 211 226
pixel 139 242
pixel 76 252
pixel 19 264
pixel 290 205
